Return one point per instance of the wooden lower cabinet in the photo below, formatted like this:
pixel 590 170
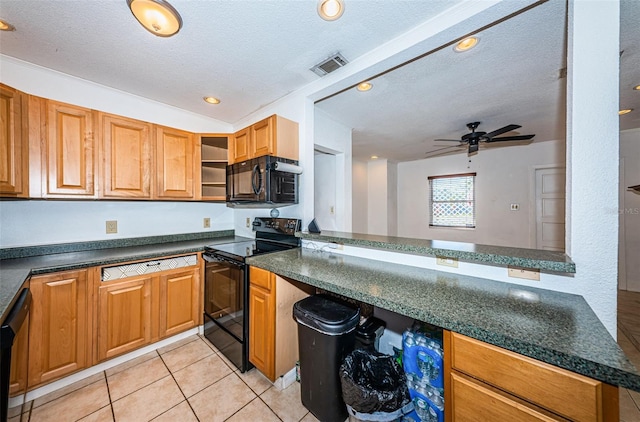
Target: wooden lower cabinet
pixel 273 333
pixel 179 301
pixel 136 311
pixel 19 361
pixel 59 328
pixel 486 382
pixel 124 316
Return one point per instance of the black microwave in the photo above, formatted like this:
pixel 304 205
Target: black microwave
pixel 262 182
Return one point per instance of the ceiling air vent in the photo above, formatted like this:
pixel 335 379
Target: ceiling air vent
pixel 328 65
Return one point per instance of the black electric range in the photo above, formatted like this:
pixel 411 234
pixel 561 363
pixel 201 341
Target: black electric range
pixel 226 288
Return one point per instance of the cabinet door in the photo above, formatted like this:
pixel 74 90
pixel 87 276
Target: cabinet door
pixel 126 152
pixel 263 137
pixel 474 401
pixel 13 142
pixel 262 331
pixel 179 300
pixel 58 331
pixel 124 316
pixel 70 150
pixel 175 163
pixel 240 146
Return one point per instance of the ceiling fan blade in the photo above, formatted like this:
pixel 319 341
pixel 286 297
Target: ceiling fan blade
pixel 448 140
pixel 511 138
pixel 502 130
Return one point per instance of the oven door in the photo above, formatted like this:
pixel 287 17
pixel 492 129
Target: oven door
pixel 224 293
pixel 246 181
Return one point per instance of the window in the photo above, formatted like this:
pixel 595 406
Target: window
pixel 452 200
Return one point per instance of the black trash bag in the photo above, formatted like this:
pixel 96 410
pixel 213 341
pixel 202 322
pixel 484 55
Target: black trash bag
pixel 373 382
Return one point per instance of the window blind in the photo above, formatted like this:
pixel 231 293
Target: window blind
pixel 452 200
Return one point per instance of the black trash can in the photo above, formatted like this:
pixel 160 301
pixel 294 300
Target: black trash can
pixel 326 334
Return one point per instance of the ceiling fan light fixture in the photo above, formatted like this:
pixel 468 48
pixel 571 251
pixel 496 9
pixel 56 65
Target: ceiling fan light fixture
pixel 156 16
pixel 364 86
pixel 330 10
pixel 625 111
pixel 466 44
pixel 6 26
pixel 211 100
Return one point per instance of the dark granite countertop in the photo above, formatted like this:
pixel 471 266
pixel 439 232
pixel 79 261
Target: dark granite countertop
pixel 557 328
pixel 486 254
pixel 20 263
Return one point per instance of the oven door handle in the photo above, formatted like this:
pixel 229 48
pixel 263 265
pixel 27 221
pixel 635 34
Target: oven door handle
pixel 218 259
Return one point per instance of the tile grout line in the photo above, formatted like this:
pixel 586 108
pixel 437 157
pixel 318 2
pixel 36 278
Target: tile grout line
pixel 106 380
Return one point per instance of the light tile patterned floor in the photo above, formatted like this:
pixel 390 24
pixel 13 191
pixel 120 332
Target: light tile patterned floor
pixel 185 381
pixel 629 341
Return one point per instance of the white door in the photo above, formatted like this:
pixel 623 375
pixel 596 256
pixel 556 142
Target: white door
pixel 550 204
pixel 324 168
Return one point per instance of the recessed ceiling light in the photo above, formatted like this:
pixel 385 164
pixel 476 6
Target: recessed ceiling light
pixel 374 157
pixel 466 44
pixel 157 16
pixel 636 88
pixel 364 86
pixel 330 10
pixel 6 26
pixel 211 100
pixel 625 111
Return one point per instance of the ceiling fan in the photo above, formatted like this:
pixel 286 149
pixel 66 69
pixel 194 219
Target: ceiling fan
pixel 474 138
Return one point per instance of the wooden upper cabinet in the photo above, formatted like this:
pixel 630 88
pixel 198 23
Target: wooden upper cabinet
pixel 176 161
pixel 59 334
pixel 69 151
pixel 274 135
pixel 239 146
pixel 13 142
pixel 126 152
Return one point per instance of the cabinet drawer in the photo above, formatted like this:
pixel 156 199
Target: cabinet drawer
pixel 571 395
pixel 474 401
pixel 139 268
pixel 261 278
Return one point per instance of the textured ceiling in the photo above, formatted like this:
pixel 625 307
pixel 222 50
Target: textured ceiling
pixel 510 77
pixel 250 53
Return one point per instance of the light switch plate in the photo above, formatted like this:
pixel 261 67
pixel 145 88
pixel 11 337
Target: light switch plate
pixel 526 273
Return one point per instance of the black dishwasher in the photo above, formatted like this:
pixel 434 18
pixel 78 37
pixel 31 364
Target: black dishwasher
pixel 8 332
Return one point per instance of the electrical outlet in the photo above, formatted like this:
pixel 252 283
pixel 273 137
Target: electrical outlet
pixel 248 222
pixel 206 223
pixel 526 273
pixel 112 226
pixel 447 262
pixel 515 207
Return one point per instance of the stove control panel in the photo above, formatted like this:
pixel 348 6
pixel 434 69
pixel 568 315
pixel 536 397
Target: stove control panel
pixel 276 225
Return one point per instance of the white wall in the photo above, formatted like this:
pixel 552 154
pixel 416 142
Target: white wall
pixel 334 138
pixel 360 197
pixel 27 223
pixel 629 211
pixel 503 178
pixel 325 191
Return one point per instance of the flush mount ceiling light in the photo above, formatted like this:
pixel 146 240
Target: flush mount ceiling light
pixel 6 26
pixel 466 44
pixel 330 10
pixel 157 16
pixel 636 88
pixel 211 100
pixel 374 157
pixel 364 86
pixel 625 111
